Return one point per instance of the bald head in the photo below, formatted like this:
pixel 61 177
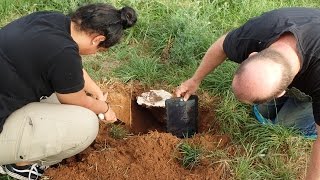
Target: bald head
pixel 262 77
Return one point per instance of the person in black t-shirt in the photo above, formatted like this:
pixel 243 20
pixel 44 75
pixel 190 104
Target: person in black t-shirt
pixel 40 56
pixel 279 56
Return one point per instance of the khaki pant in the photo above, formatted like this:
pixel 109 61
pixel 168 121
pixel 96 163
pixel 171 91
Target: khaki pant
pixel 47 132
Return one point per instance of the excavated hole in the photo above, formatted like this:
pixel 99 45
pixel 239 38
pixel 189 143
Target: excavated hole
pixel 138 119
pixel 145 119
pixel 141 120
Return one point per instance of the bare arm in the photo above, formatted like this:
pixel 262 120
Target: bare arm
pixel 313 172
pixel 212 59
pixel 91 87
pixel 81 99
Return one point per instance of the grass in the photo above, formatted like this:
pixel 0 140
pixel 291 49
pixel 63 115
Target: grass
pixel 190 155
pixel 166 47
pixel 5 178
pixel 2 177
pixel 118 132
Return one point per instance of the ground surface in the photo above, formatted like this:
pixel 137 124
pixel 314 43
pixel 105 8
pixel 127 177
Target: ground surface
pixel 150 152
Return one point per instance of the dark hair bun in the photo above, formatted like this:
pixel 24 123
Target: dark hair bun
pixel 128 17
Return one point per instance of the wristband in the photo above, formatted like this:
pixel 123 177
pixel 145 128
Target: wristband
pixel 101 115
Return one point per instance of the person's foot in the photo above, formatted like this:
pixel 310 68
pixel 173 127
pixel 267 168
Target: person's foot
pixel 28 172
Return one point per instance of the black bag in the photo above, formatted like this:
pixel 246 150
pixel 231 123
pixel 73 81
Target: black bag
pixel 182 116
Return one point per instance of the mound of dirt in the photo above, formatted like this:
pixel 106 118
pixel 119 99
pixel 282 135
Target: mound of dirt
pixel 149 153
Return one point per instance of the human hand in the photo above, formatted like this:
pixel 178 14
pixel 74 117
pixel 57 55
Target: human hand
pixel 109 116
pixel 102 96
pixel 187 88
pixel 99 95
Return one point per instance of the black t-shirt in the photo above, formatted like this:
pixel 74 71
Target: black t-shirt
pixel 37 57
pixel 260 32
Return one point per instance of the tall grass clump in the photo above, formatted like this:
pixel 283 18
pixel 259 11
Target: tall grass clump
pixel 118 132
pixel 190 155
pixel 146 70
pixel 220 80
pixel 175 30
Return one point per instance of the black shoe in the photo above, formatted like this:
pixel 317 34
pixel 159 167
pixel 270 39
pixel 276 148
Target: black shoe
pixel 28 172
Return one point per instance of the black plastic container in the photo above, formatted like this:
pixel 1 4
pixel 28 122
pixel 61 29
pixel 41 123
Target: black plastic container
pixel 182 116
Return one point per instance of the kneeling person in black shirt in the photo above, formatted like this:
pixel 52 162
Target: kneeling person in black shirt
pixel 40 57
pixel 279 57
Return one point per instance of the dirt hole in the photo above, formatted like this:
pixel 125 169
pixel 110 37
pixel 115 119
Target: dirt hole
pixel 144 120
pixel 141 120
pixel 138 119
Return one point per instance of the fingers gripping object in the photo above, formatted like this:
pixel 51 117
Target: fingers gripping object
pixel 117 122
pixel 101 116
